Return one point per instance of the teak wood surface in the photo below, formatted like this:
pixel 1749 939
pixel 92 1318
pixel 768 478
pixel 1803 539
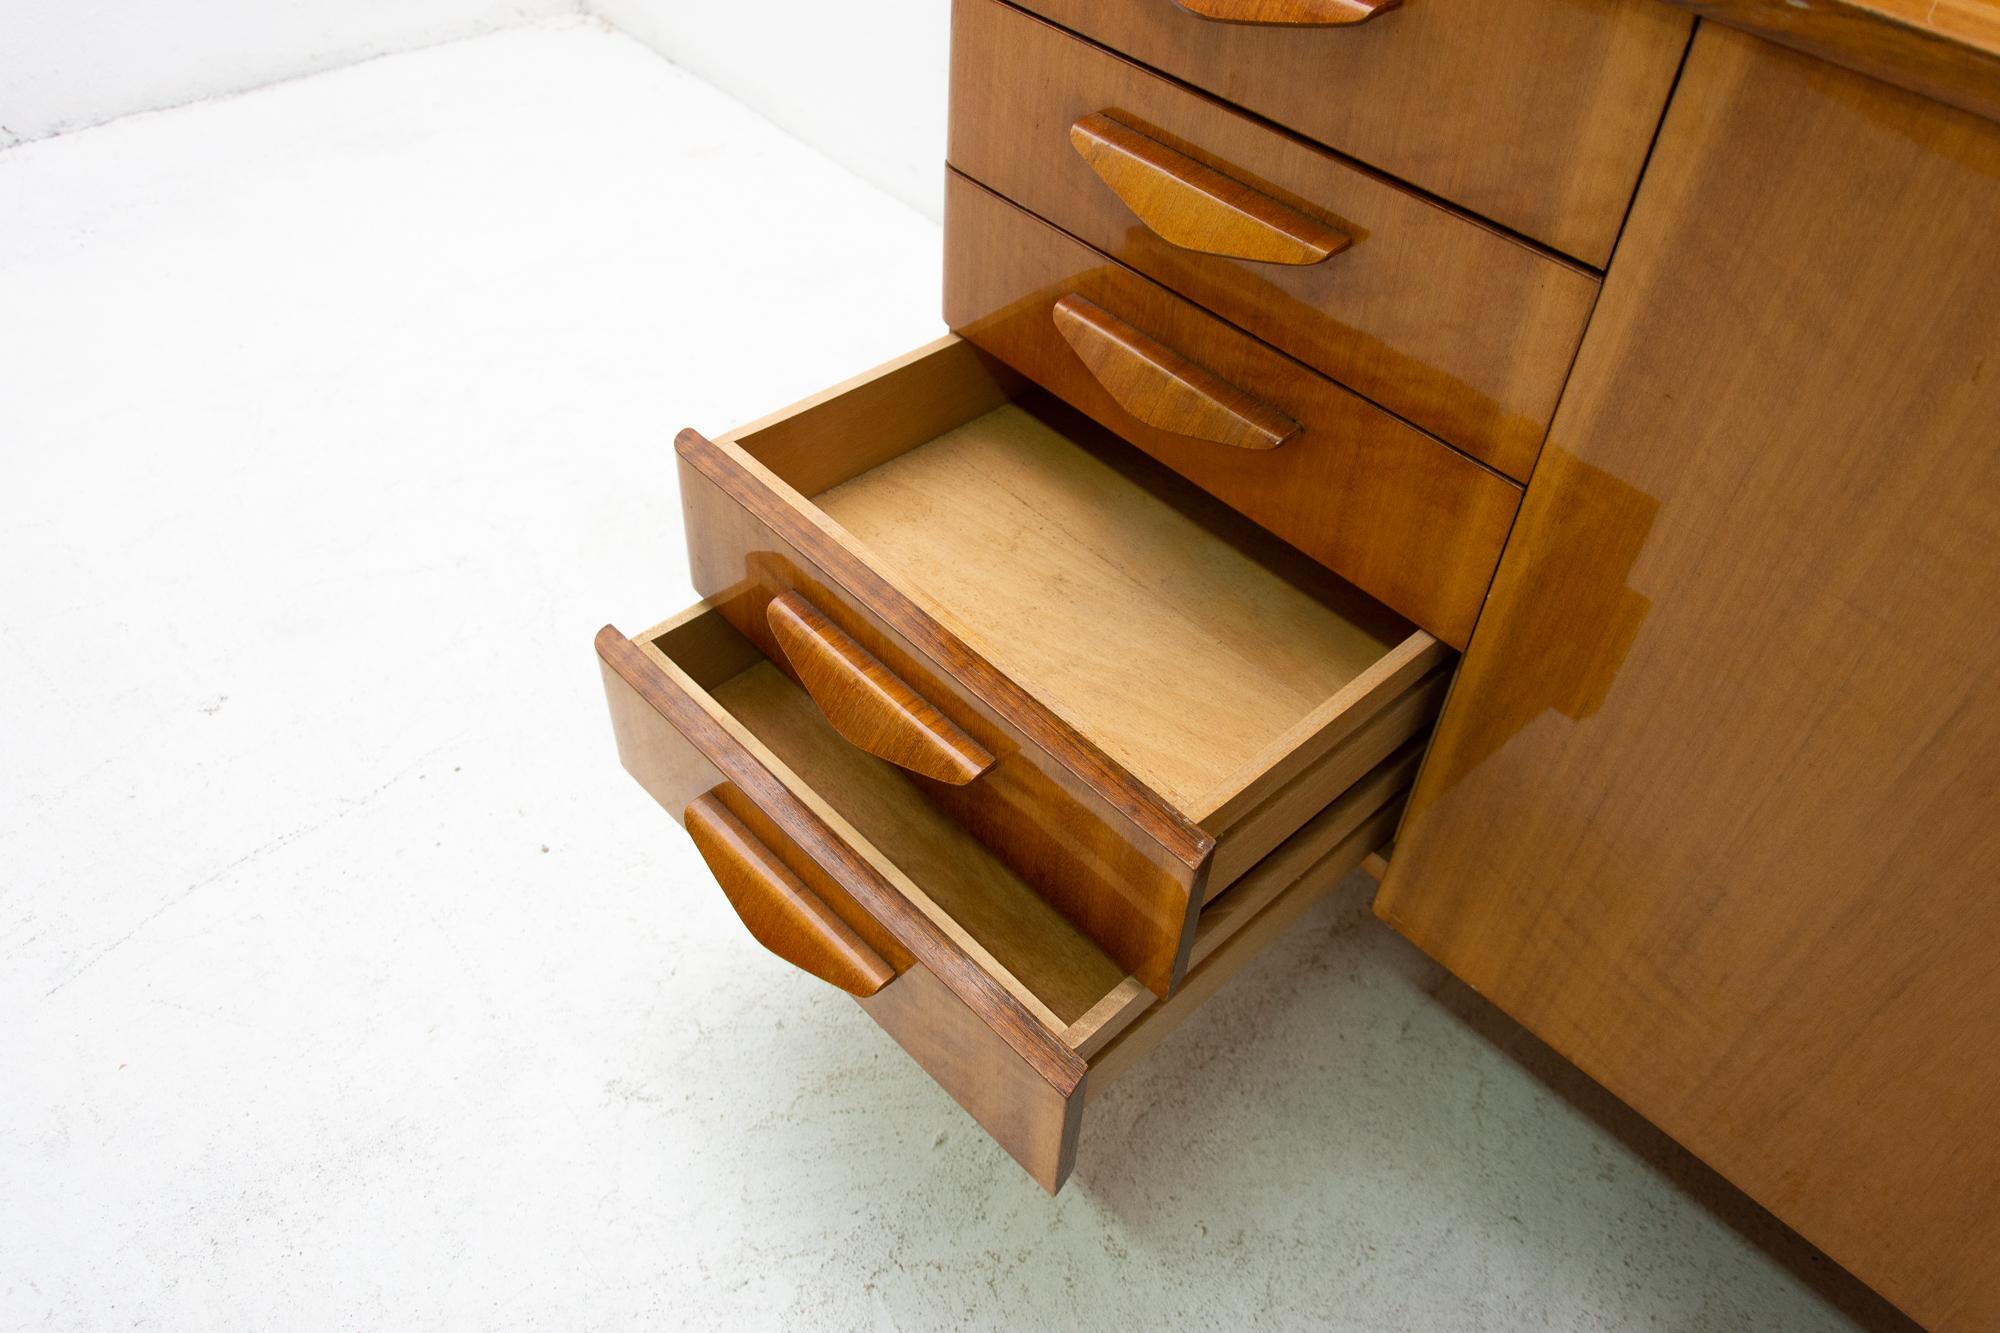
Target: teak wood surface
pixel 1071 607
pixel 778 908
pixel 1162 388
pixel 1396 512
pixel 915 905
pixel 1713 807
pixel 1451 324
pixel 1185 657
pixel 1113 855
pixel 1536 114
pixel 1194 206
pixel 868 704
pixel 1000 1061
pixel 1289 13
pixel 1945 49
pixel 994 917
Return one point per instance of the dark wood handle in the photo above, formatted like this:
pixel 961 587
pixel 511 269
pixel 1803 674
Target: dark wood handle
pixel 1161 387
pixel 1289 13
pixel 1194 206
pixel 782 914
pixel 870 705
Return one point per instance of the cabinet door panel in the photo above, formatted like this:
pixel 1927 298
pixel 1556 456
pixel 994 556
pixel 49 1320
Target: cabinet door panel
pixel 1713 805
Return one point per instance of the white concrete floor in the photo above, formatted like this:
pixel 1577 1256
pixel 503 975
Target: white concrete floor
pixel 347 980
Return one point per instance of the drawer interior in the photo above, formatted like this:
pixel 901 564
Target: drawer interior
pixel 989 912
pixel 1188 644
pixel 1076 991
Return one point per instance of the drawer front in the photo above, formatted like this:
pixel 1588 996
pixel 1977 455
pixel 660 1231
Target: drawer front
pixel 1406 518
pixel 817 891
pixel 1536 114
pixel 1111 856
pixel 970 1033
pixel 1457 327
pixel 941 633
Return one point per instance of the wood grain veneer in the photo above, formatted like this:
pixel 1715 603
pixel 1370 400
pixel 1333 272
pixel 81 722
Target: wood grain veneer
pixel 997 920
pixel 1117 858
pixel 1162 388
pixel 1069 606
pixel 854 877
pixel 868 704
pixel 1459 328
pixel 1002 1063
pixel 1536 114
pixel 1183 656
pixel 1712 808
pixel 777 907
pixel 1406 518
pixel 1289 13
pixel 1193 206
pixel 1944 49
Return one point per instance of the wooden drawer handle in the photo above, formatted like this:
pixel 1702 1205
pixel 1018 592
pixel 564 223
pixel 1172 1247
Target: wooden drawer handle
pixel 1289 13
pixel 1197 207
pixel 1164 389
pixel 782 914
pixel 867 703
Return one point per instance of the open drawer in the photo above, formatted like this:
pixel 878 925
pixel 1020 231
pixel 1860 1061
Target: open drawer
pixel 1124 692
pixel 837 864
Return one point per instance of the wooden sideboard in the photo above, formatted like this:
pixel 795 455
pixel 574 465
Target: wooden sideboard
pixel 1646 352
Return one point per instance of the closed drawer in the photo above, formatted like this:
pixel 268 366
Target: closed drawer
pixel 838 865
pixel 1534 113
pixel 1408 519
pixel 1460 328
pixel 1125 692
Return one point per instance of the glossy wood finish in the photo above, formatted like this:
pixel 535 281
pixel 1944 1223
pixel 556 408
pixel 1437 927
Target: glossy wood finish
pixel 866 702
pixel 1535 113
pixel 1114 856
pixel 1111 855
pixel 1199 653
pixel 1712 810
pixel 776 907
pixel 983 906
pixel 1944 49
pixel 1162 388
pixel 1459 328
pixel 1402 516
pixel 1194 207
pixel 1289 13
pixel 995 1056
pixel 859 856
pixel 1148 670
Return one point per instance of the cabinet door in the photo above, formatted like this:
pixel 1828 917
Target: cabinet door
pixel 1715 804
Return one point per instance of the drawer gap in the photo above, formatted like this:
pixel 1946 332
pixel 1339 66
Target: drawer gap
pixel 1308 863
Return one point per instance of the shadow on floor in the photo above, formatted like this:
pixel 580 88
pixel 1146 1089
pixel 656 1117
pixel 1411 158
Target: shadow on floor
pixel 1688 1173
pixel 1402 1130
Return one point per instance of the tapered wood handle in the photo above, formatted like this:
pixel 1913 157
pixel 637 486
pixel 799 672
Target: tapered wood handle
pixel 1164 389
pixel 867 703
pixel 1194 206
pixel 1289 13
pixel 781 913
